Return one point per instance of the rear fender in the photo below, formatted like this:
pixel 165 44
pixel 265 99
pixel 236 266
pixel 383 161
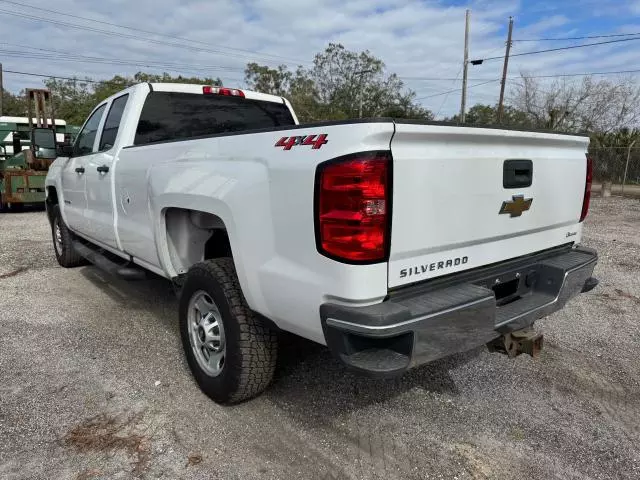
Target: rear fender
pixel 249 227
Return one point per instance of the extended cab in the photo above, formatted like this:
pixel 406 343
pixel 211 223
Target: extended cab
pixel 392 242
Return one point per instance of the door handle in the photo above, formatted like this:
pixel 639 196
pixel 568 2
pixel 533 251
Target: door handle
pixel 517 173
pixel 80 170
pixel 103 169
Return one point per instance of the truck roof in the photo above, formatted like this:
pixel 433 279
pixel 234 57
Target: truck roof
pixel 196 88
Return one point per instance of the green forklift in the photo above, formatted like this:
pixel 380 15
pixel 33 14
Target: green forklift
pixel 27 149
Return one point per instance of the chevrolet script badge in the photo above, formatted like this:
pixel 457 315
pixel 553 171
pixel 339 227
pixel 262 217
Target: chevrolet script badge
pixel 516 206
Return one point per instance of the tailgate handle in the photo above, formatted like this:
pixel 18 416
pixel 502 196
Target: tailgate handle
pixel 517 173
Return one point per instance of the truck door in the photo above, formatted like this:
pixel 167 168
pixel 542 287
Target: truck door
pixel 74 173
pixel 100 188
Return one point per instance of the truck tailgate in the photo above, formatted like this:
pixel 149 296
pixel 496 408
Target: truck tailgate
pixel 451 183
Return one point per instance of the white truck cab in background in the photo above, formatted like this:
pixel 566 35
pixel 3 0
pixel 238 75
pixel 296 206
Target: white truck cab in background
pixel 392 242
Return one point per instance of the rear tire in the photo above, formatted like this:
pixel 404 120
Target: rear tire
pixel 63 242
pixel 232 355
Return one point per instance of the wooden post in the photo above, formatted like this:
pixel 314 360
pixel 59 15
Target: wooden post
pixel 465 67
pixel 504 72
pixel 1 90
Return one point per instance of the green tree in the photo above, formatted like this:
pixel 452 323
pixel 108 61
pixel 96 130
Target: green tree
pixel 74 99
pixel 13 105
pixel 107 88
pixel 481 114
pixel 275 81
pixel 341 84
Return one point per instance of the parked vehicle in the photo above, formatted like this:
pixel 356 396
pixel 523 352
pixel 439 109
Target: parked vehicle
pixel 23 161
pixel 392 242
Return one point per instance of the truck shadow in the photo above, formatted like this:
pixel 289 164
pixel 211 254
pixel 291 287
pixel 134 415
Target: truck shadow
pixel 306 373
pixel 314 384
pixel 20 208
pixel 154 295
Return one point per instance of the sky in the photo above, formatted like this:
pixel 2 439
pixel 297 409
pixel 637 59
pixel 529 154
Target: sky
pixel 419 40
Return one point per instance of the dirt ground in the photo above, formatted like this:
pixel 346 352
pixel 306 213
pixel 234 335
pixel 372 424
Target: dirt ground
pixel 93 384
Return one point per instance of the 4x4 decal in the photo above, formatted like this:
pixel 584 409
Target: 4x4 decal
pixel 316 140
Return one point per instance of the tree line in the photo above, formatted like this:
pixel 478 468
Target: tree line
pixel 75 98
pixel 342 84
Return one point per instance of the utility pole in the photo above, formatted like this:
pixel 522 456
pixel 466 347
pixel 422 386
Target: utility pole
pixel 1 90
pixel 504 71
pixel 465 66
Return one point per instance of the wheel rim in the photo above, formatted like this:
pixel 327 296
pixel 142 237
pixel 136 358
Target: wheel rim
pixel 57 236
pixel 206 333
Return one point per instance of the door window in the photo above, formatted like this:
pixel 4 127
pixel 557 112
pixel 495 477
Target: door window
pixel 112 123
pixel 86 137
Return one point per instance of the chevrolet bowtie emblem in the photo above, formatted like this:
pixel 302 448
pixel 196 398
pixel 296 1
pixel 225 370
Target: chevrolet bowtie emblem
pixel 516 205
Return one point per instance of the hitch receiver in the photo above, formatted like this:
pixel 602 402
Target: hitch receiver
pixel 514 343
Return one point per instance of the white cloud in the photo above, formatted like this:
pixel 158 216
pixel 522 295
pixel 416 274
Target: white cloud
pixel 415 38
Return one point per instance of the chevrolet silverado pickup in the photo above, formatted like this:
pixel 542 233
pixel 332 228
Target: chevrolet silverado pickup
pixel 394 243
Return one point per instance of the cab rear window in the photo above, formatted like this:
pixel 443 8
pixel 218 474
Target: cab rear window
pixel 178 116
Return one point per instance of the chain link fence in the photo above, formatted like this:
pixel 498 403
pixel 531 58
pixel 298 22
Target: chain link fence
pixel 618 165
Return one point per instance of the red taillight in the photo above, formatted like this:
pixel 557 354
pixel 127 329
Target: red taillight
pixel 353 207
pixel 229 92
pixel 587 189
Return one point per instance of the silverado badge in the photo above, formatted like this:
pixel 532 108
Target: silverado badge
pixel 516 206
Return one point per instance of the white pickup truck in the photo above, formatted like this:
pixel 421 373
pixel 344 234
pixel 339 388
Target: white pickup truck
pixel 392 242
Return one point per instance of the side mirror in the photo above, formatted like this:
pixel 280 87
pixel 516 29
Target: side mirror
pixel 65 150
pixel 44 142
pixel 43 138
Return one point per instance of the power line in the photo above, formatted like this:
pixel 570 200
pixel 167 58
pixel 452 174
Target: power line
pixel 155 66
pixel 447 95
pixel 95 59
pixel 126 35
pixel 79 80
pixel 560 39
pixel 76 55
pixel 86 80
pixel 480 60
pixel 581 74
pixel 75 58
pixel 456 90
pixel 551 75
pixel 174 37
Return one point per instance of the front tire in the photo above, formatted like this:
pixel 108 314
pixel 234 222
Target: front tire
pixel 63 242
pixel 231 354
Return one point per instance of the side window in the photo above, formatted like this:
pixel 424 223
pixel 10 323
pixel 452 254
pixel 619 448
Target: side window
pixel 87 136
pixel 112 123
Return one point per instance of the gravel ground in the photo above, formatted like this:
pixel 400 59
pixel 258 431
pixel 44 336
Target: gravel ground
pixel 94 385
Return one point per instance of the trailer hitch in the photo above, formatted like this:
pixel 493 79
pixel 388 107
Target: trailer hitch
pixel 515 343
